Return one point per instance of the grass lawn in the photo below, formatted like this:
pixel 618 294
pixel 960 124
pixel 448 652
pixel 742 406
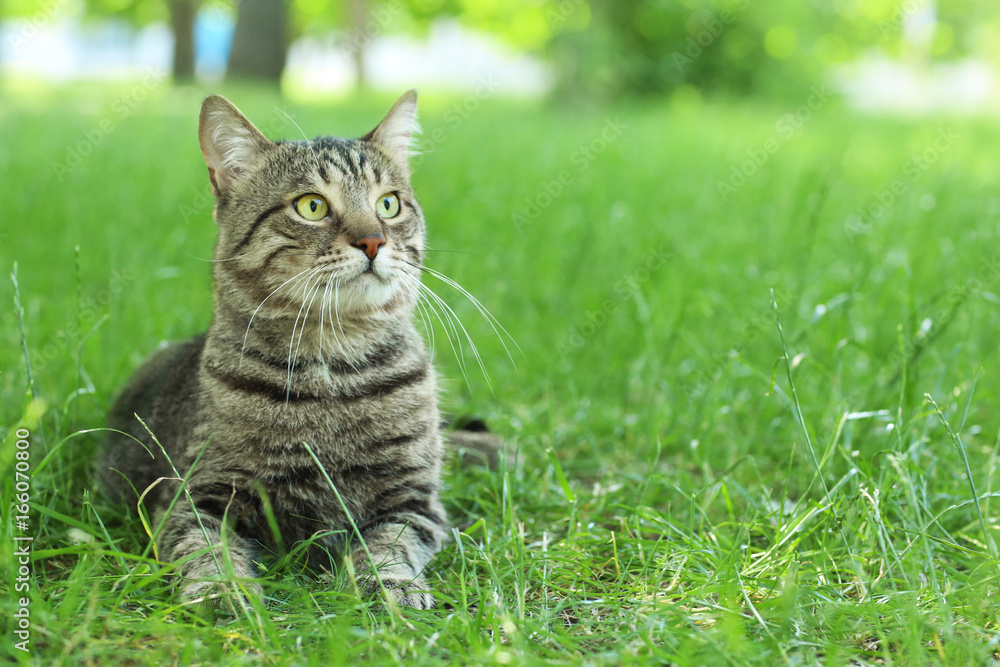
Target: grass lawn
pixel 686 483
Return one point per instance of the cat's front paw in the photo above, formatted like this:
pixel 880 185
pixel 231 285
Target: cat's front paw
pixel 199 591
pixel 201 581
pixel 409 592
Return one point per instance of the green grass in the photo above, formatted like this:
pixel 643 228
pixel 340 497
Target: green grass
pixel 672 497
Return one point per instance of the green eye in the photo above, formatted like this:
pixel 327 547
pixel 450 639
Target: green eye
pixel 387 206
pixel 311 207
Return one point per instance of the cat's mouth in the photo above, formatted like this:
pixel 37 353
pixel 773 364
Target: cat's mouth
pixel 368 278
pixel 344 276
pixel 375 271
pixel 353 289
pixel 372 286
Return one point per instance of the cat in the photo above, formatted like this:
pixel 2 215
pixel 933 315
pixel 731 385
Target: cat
pixel 316 277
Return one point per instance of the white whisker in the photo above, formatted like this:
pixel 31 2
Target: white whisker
pixel 428 325
pixel 308 294
pixel 322 319
pixel 250 323
pixel 454 317
pixel 292 121
pixel 487 315
pixel 350 352
pixel 204 259
pixel 448 322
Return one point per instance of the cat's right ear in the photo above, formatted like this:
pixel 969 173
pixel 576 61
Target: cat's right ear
pixel 230 143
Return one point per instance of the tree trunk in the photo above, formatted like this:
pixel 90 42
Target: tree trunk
pixel 260 42
pixel 359 40
pixel 182 15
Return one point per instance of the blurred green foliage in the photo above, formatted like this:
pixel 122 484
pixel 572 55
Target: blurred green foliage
pixel 648 47
pixel 608 48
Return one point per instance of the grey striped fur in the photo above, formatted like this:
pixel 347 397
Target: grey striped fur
pixel 310 342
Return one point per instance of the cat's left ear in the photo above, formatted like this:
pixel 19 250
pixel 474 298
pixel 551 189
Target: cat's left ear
pixel 230 143
pixel 395 132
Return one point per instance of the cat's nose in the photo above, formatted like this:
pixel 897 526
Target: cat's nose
pixel 370 244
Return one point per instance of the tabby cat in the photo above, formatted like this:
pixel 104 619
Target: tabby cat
pixel 317 271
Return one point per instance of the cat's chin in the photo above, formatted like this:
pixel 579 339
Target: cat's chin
pixel 370 295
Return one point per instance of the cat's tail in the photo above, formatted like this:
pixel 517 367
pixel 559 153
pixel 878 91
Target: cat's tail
pixel 472 441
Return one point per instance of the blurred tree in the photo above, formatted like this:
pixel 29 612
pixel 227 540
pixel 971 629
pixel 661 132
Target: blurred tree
pixel 357 23
pixel 647 47
pixel 360 14
pixel 182 15
pixel 607 48
pixel 260 43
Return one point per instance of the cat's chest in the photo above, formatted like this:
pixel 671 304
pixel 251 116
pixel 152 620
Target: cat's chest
pixel 321 403
pixel 298 469
pixel 265 383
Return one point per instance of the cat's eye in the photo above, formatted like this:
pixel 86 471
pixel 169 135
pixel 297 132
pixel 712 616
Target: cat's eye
pixel 311 207
pixel 387 206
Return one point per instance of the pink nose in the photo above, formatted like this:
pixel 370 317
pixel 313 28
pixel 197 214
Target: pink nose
pixel 370 244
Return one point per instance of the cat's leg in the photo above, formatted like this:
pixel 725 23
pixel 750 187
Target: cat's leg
pixel 186 533
pixel 400 544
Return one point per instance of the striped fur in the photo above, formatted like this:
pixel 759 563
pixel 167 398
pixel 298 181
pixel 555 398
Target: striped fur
pixel 310 342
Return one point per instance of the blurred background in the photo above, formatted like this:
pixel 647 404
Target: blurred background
pixel 908 56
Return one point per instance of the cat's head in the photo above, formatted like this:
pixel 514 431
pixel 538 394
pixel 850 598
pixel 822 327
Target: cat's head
pixel 301 221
